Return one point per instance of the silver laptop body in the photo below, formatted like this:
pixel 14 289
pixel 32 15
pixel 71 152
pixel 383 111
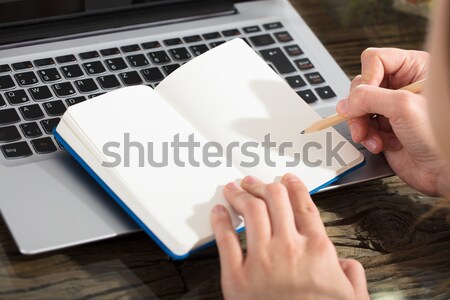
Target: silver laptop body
pixel 47 200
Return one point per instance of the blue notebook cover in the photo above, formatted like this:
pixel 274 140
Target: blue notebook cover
pixel 139 222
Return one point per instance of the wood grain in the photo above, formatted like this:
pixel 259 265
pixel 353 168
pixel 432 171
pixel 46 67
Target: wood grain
pixel 374 222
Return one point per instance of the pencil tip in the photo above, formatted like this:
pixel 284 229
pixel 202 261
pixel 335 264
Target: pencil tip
pixel 303 132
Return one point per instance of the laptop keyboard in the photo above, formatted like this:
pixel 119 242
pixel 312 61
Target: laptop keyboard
pixel 35 94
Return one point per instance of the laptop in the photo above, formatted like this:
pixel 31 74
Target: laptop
pixel 54 54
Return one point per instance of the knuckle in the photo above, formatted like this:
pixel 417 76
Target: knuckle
pixel 307 207
pixel 253 204
pixel 369 53
pixel 276 189
pixel 322 245
pixel 225 238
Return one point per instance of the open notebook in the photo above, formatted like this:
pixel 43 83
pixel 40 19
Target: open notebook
pixel 227 98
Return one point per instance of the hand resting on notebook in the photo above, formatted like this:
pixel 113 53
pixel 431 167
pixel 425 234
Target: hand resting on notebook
pixel 289 255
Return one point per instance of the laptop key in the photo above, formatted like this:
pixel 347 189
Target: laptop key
pixel 251 29
pixel 283 37
pixel 278 60
pixel 23 65
pixel 262 40
pixel 192 39
pixel 231 32
pixel 64 89
pixel 6 82
pixel 152 74
pixel 199 49
pixel 75 100
pixel 16 150
pixel 66 59
pixel 180 53
pixel 293 50
pixel 2 101
pixel 31 112
pixel 5 68
pixel 94 68
pixel 173 42
pixel 72 71
pixel 40 93
pixel 49 124
pixel 116 64
pixel 159 57
pixel 17 97
pixel 304 64
pixel 137 61
pixel 8 116
pixel 95 95
pixel 274 25
pixel 49 75
pixel 130 48
pixel 26 78
pixel 54 108
pixel 108 82
pixel 9 134
pixel 308 96
pixel 314 78
pixel 215 44
pixel 89 55
pixel 31 130
pixel 151 45
pixel 86 85
pixel 325 93
pixel 170 68
pixel 44 62
pixel 43 145
pixel 110 51
pixel 130 78
pixel 295 81
pixel 212 36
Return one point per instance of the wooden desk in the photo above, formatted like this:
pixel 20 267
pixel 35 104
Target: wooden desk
pixel 373 222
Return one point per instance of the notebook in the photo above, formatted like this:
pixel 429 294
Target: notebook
pixel 223 115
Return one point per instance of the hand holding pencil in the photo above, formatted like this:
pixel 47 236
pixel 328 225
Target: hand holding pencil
pixel 416 87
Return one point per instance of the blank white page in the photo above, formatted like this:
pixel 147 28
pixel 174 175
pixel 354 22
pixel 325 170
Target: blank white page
pixel 230 94
pixel 174 202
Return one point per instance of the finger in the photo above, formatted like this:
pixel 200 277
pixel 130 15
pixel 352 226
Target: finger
pixel 355 273
pixel 355 82
pixel 255 213
pixel 384 124
pixel 306 214
pixel 230 252
pixel 359 127
pixel 401 67
pixel 390 141
pixel 277 199
pixel 396 105
pixel 373 142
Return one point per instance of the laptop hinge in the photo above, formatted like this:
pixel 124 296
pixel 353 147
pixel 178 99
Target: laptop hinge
pixel 51 31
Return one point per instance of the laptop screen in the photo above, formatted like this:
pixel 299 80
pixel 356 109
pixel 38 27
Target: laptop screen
pixel 35 20
pixel 15 12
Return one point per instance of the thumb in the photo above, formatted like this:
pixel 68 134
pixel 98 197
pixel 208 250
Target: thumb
pixel 357 277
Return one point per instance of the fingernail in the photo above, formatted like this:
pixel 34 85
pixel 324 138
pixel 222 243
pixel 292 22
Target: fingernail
pixel 218 209
pixel 353 130
pixel 249 180
pixel 289 177
pixel 370 144
pixel 394 143
pixel 232 186
pixel 342 107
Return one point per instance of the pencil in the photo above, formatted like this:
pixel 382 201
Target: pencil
pixel 335 119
